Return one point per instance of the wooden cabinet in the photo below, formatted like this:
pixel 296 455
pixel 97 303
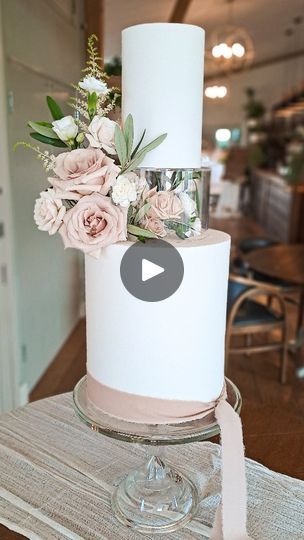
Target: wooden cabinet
pixel 279 208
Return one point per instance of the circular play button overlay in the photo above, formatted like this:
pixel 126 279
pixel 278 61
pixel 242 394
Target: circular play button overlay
pixel 152 271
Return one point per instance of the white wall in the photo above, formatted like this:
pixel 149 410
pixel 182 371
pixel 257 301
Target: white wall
pixel 270 83
pixel 44 48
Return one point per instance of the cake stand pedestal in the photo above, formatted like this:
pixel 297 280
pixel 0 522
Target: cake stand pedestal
pixel 155 498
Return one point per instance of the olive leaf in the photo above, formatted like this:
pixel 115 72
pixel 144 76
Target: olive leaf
pixel 39 127
pixel 128 132
pixel 139 156
pixel 141 212
pixel 138 231
pixel 138 144
pixel 120 145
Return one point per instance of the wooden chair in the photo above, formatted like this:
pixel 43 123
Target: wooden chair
pixel 248 316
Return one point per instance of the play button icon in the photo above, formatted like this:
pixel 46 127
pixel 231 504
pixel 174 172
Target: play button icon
pixel 152 271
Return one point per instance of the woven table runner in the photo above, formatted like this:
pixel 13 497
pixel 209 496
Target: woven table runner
pixel 57 476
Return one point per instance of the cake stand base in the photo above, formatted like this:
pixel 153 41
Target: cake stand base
pixel 155 498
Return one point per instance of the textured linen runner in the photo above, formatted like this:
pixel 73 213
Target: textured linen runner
pixel 57 476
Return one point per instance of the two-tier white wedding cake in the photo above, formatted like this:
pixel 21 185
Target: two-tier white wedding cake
pixel 160 361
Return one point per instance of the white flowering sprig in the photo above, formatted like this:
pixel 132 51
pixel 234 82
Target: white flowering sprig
pixel 93 95
pixel 48 160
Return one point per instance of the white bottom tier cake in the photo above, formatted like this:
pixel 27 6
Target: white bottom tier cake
pixel 158 362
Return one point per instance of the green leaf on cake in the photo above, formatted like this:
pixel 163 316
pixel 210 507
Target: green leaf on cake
pixel 138 144
pixel 54 108
pixel 41 128
pixel 120 146
pixel 48 140
pixel 128 132
pixel 139 156
pixel 141 212
pixel 138 231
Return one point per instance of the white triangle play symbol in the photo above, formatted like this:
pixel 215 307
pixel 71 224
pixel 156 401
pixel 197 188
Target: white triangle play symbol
pixel 150 270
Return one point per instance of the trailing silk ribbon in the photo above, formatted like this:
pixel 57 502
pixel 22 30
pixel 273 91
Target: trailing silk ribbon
pixel 230 519
pixel 231 515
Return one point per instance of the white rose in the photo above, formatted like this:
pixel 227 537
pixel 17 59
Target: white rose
pixel 124 190
pixel 196 227
pixel 189 205
pixel 49 212
pixel 65 128
pixel 90 84
pixel 101 134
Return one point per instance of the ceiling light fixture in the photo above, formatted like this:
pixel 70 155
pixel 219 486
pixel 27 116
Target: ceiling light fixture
pixel 214 92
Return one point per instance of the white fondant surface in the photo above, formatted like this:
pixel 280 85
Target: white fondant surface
pixel 173 349
pixel 162 87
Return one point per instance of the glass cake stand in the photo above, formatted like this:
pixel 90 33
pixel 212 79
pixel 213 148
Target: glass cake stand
pixel 155 498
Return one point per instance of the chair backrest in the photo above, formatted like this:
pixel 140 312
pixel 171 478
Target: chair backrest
pixel 250 244
pixel 235 289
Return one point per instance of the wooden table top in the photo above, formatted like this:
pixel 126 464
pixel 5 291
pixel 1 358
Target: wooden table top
pixel 284 261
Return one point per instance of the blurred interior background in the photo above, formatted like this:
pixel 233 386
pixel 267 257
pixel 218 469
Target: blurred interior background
pixel 253 140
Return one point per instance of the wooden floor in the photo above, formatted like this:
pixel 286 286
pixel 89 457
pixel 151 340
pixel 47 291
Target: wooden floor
pixel 272 414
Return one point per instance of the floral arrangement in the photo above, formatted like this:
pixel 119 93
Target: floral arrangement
pixel 95 198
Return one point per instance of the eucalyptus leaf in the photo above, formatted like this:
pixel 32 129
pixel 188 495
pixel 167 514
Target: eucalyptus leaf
pixel 120 145
pixel 54 108
pixel 138 144
pixel 128 131
pixel 138 231
pixel 142 212
pixel 152 145
pixel 43 130
pixel 132 165
pixel 48 140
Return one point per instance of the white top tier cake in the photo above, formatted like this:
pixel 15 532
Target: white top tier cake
pixel 162 87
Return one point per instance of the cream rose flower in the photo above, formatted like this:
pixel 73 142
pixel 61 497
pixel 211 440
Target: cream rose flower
pixel 65 128
pixel 189 205
pixel 101 134
pixel 84 171
pixel 164 204
pixel 124 190
pixel 154 225
pixel 93 223
pixel 49 212
pixel 91 84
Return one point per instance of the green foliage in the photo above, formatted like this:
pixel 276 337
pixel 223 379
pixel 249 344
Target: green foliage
pixel 113 67
pixel 54 108
pixel 43 129
pixel 128 132
pixel 180 228
pixel 92 104
pixel 296 165
pixel 130 160
pixel 48 140
pixel 138 231
pixel 142 212
pixel 120 146
pixel 253 108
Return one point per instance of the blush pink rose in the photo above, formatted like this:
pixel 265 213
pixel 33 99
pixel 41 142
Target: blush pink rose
pixel 154 225
pixel 164 204
pixel 94 223
pixel 84 171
